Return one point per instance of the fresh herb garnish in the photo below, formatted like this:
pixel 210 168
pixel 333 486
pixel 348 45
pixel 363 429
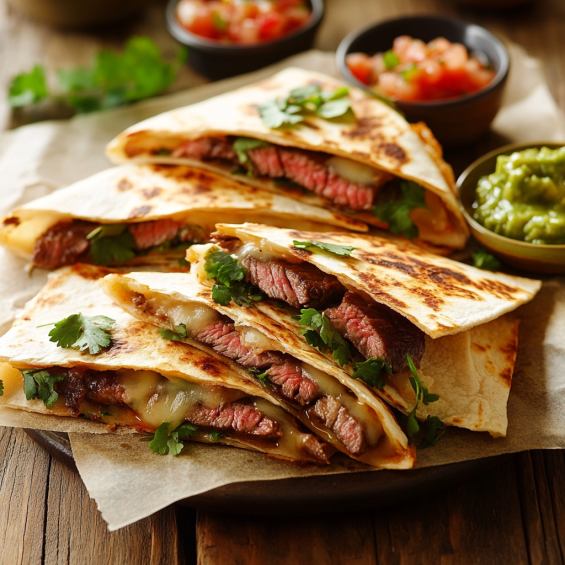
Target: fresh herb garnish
pixel 390 59
pixel 111 243
pixel 176 335
pixel 104 413
pixel 306 101
pixel 229 274
pixel 163 152
pixel 264 380
pixel 434 432
pixel 82 333
pixel 340 250
pixel 482 259
pixel 113 80
pixel 409 73
pixel 41 384
pixel 165 441
pixel 396 212
pixel 219 23
pixel 1 388
pixel 217 436
pixel 244 144
pixel 322 335
pixel 370 371
pixel 422 394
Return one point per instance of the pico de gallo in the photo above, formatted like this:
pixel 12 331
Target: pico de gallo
pixel 242 21
pixel 416 71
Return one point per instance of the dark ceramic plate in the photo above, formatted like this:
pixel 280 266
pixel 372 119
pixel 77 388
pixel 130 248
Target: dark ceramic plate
pixel 311 495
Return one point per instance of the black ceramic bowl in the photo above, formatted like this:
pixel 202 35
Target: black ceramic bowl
pixel 217 60
pixel 455 121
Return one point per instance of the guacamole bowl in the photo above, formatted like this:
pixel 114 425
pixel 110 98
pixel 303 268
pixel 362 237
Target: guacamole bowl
pixel 528 256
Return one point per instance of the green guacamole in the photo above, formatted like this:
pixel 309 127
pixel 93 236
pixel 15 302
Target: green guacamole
pixel 525 197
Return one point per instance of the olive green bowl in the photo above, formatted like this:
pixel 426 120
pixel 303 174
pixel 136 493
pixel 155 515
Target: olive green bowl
pixel 528 256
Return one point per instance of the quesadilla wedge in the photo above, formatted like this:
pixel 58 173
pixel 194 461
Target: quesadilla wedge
pixel 341 148
pixel 344 412
pixel 408 323
pixel 139 381
pixel 133 215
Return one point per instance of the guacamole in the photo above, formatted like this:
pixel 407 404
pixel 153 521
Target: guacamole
pixel 525 196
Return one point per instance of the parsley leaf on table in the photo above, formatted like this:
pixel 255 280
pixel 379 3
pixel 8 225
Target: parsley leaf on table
pixel 41 384
pixel 370 371
pixel 82 333
pixel 179 333
pixel 340 250
pixel 482 259
pixel 165 441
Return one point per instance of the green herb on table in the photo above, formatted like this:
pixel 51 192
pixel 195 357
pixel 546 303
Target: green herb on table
pixel 421 391
pixel 81 332
pixel 482 259
pixel 40 384
pixel 165 441
pixel 340 250
pixel 370 372
pixel 114 79
pixel 176 335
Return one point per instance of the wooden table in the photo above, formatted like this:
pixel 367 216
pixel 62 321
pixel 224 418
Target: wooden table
pixel 512 515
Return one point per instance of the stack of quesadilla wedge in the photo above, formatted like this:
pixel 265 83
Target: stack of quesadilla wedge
pixel 134 215
pixel 372 165
pixel 431 336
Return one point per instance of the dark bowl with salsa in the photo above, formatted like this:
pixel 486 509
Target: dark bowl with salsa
pixel 220 57
pixel 455 120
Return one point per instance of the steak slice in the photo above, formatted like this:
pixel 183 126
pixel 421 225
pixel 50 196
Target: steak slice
pixel 292 382
pixel 346 194
pixel 318 449
pixel 104 387
pixel 225 340
pixel 150 234
pixel 297 284
pixel 266 162
pixel 307 169
pixel 206 149
pixel 378 331
pixel 236 417
pixel 62 244
pixel 331 412
pixel 73 388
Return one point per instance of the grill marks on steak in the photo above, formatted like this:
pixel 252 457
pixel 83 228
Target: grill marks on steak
pixel 378 331
pixel 297 284
pixel 62 244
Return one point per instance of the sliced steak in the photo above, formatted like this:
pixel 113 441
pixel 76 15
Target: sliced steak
pixel 346 194
pixel 331 412
pixel 297 284
pixel 236 417
pixel 292 382
pixel 62 244
pixel 206 148
pixel 378 331
pixel 318 449
pixel 266 162
pixel 150 234
pixel 306 168
pixel 225 340
pixel 73 388
pixel 228 243
pixel 104 387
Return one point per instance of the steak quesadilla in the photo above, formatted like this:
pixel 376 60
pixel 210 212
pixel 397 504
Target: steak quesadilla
pixel 340 410
pixel 146 215
pixel 340 147
pixel 412 325
pixel 139 380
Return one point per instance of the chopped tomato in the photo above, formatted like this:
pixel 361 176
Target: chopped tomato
pixel 360 66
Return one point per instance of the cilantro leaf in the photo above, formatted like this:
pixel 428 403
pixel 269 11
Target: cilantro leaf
pixel 1 388
pixel 82 333
pixel 179 333
pixel 370 371
pixel 111 243
pixel 159 443
pixel 244 144
pixel 390 59
pixel 166 441
pixel 334 108
pixel 482 259
pixel 434 432
pixel 322 334
pixel 264 380
pixel 422 393
pixel 275 117
pixel 187 430
pixel 217 436
pixel 395 212
pixel 340 250
pixel 224 268
pixel 41 384
pixel 28 88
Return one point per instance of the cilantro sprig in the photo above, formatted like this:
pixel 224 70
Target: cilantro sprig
pixel 306 101
pixel 41 384
pixel 165 440
pixel 421 391
pixel 435 430
pixel 242 145
pixel 321 334
pixel 482 259
pixel 263 378
pixel 176 335
pixel 111 243
pixel 395 212
pixel 81 332
pixel 114 79
pixel 217 436
pixel 339 250
pixel 370 372
pixel 229 275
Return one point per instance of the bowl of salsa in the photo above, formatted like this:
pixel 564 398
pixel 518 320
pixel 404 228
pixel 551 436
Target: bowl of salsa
pixel 514 201
pixel 441 70
pixel 230 37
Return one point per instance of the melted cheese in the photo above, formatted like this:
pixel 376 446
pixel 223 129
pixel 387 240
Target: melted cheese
pixel 256 341
pixel 352 171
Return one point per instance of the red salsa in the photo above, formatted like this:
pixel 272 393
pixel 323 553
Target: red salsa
pixel 242 21
pixel 415 71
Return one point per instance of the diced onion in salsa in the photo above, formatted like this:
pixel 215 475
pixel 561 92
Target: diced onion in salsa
pixel 415 71
pixel 242 21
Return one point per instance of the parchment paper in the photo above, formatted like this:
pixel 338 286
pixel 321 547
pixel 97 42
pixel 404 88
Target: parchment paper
pixel 120 473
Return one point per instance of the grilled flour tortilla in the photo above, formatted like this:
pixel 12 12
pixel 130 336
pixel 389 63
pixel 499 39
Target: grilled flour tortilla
pixel 141 380
pixel 387 301
pixel 346 164
pixel 344 412
pixel 149 214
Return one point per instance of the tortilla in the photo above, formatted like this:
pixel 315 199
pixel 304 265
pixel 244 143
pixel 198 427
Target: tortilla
pixel 135 347
pixel 171 297
pixel 378 137
pixel 132 194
